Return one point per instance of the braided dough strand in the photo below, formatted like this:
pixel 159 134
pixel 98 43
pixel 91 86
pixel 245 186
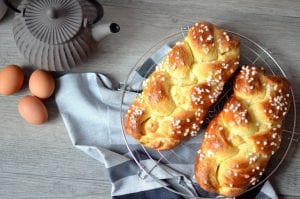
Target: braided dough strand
pixel 240 140
pixel 178 94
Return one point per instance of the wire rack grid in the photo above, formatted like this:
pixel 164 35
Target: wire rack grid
pixel 251 53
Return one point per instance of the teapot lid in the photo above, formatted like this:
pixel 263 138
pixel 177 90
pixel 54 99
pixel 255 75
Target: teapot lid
pixel 53 21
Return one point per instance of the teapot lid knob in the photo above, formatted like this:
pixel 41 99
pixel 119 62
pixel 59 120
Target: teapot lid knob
pixel 52 13
pixel 53 21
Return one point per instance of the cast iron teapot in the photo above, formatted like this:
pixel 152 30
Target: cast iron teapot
pixel 58 34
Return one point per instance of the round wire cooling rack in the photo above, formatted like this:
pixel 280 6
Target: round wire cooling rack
pixel 176 159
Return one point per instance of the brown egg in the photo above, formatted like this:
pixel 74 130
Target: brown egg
pixel 33 110
pixel 11 79
pixel 41 84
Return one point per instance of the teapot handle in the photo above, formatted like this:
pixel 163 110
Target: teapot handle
pixel 8 4
pixel 100 11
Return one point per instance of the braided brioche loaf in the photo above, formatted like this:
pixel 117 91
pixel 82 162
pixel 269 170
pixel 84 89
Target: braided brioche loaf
pixel 178 94
pixel 239 142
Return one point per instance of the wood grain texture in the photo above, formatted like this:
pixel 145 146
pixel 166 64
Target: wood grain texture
pixel 40 162
pixel 288 197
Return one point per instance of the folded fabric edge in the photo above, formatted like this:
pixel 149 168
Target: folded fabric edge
pixel 154 193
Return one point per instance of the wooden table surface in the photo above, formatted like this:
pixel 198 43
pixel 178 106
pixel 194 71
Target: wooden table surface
pixel 40 161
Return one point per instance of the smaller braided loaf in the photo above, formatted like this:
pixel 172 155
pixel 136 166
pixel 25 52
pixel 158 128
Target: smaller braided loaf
pixel 240 140
pixel 178 94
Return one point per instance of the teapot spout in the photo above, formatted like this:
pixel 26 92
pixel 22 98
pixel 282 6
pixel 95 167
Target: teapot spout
pixel 102 30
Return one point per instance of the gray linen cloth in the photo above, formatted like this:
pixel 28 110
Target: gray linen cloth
pixel 90 107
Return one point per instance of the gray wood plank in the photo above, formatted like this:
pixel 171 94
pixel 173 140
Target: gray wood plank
pixel 287 178
pixel 289 197
pixel 31 186
pixel 40 162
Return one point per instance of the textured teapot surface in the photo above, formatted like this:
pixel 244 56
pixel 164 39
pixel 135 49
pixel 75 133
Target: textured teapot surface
pixel 51 34
pixel 3 9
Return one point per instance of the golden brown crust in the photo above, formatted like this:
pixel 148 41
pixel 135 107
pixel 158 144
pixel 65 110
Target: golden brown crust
pixel 178 94
pixel 241 139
